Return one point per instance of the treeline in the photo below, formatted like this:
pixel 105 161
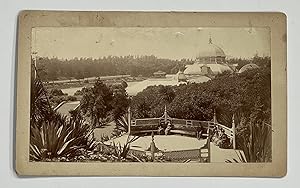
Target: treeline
pixel 260 61
pixel 79 68
pixel 248 93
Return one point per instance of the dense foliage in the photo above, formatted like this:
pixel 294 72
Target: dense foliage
pixel 80 68
pixel 59 137
pixel 57 99
pixel 247 95
pixel 53 68
pixel 254 138
pixel 40 107
pixel 97 102
pixel 248 92
pixel 260 61
pixel 52 136
pixel 103 103
pixel 56 92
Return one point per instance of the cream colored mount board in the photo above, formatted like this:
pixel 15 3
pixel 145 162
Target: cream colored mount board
pixel 151 94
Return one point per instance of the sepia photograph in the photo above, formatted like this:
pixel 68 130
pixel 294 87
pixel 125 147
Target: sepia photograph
pixel 126 93
pixel 168 95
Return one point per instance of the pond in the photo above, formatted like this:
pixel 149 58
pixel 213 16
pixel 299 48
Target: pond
pixel 133 87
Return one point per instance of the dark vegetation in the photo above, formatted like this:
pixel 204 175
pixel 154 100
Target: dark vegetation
pixel 54 137
pixel 80 68
pixel 54 69
pixel 260 61
pixel 246 95
pixel 254 138
pixel 56 96
pixel 103 103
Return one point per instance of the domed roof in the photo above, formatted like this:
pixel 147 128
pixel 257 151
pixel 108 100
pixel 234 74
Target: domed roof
pixel 219 68
pixel 195 69
pixel 211 50
pixel 248 67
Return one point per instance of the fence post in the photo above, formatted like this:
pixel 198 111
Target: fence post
pixel 215 118
pixel 165 114
pixel 129 121
pixel 233 133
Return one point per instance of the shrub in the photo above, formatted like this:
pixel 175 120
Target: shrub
pixel 96 103
pixel 56 100
pixel 121 125
pixel 78 92
pixel 56 92
pixel 254 138
pixel 71 98
pixel 241 158
pixel 59 137
pixel 227 92
pixel 39 103
pixel 221 139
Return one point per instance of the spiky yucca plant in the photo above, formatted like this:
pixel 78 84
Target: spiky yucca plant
pixel 255 139
pixel 120 151
pixel 53 136
pixel 59 137
pixel 241 158
pixel 121 125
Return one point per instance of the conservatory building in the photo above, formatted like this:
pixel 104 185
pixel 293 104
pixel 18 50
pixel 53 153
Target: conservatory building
pixel 209 61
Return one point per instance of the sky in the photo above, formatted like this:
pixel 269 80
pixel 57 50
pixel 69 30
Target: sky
pixel 171 43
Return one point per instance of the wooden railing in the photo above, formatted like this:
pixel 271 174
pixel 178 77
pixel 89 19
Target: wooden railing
pixel 180 126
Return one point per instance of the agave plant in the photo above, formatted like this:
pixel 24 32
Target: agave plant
pixel 241 158
pixel 254 139
pixel 120 151
pixel 257 146
pixel 59 137
pixel 121 125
